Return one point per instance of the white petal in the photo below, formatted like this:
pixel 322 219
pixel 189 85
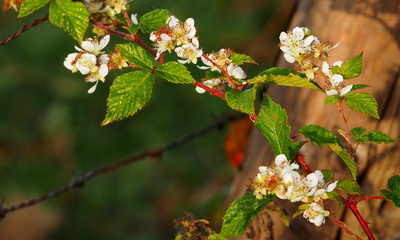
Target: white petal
pixel 325 67
pixel 319 192
pixel 195 42
pixel 289 58
pixel 92 89
pixel 104 42
pixel 153 36
pixel 103 70
pixel 165 37
pixel 87 46
pixel 331 186
pixel 262 170
pixel 331 92
pixel 283 36
pixel 319 175
pixel 298 33
pixel 236 71
pixel 319 220
pixel 134 19
pixel 200 90
pixel 338 63
pixel 336 79
pixel 308 40
pixel 280 159
pixel 346 90
pixel 312 180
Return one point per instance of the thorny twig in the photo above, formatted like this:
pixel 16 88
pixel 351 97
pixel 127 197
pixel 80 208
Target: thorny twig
pixel 80 180
pixel 23 29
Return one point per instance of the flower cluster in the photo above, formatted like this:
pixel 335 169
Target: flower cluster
pixel 335 80
pixel 178 36
pixel 305 49
pixel 285 182
pixel 181 37
pixel 90 60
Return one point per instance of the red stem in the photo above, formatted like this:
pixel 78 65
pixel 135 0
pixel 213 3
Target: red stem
pixel 210 90
pixel 301 161
pixel 352 205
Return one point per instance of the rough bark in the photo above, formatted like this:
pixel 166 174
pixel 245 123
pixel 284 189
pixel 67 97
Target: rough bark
pixel 371 27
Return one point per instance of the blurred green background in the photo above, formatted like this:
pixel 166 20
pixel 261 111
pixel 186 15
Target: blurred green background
pixel 49 131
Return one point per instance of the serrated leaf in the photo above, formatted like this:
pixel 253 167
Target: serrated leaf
pixel 241 212
pixel 71 16
pixel 285 77
pixel 359 86
pixel 243 100
pixel 357 132
pixel 345 156
pixel 128 94
pixel 331 99
pixel 394 193
pixel 213 75
pixel 350 68
pixel 378 137
pixel 133 29
pixel 328 175
pixel 239 59
pixel 136 55
pixel 174 72
pixel 29 6
pixel 272 123
pixel 350 186
pixel 335 196
pixel 318 135
pixel 154 20
pixel 363 103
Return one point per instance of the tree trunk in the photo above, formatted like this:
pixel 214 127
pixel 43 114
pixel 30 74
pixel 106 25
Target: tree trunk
pixel 371 27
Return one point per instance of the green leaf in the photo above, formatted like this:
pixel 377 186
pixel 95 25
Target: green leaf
pixel 345 156
pixel 328 175
pixel 359 86
pixel 318 135
pixel 331 99
pixel 363 103
pixel 71 16
pixel 128 94
pixel 350 68
pixel 285 77
pixel 350 186
pixel 29 6
pixel 243 100
pixel 378 137
pixel 175 72
pixel 136 55
pixel 272 123
pixel 357 133
pixel 394 193
pixel 335 196
pixel 239 59
pixel 241 212
pixel 323 137
pixel 154 20
pixel 133 29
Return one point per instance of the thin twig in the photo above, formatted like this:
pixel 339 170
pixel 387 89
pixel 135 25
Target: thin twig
pixel 80 180
pixel 23 29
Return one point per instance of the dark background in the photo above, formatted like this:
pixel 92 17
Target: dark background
pixel 49 130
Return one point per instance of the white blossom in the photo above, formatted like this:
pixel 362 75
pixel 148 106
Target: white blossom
pixel 315 214
pixel 295 43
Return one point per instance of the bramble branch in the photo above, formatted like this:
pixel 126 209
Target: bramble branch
pixel 80 180
pixel 23 29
